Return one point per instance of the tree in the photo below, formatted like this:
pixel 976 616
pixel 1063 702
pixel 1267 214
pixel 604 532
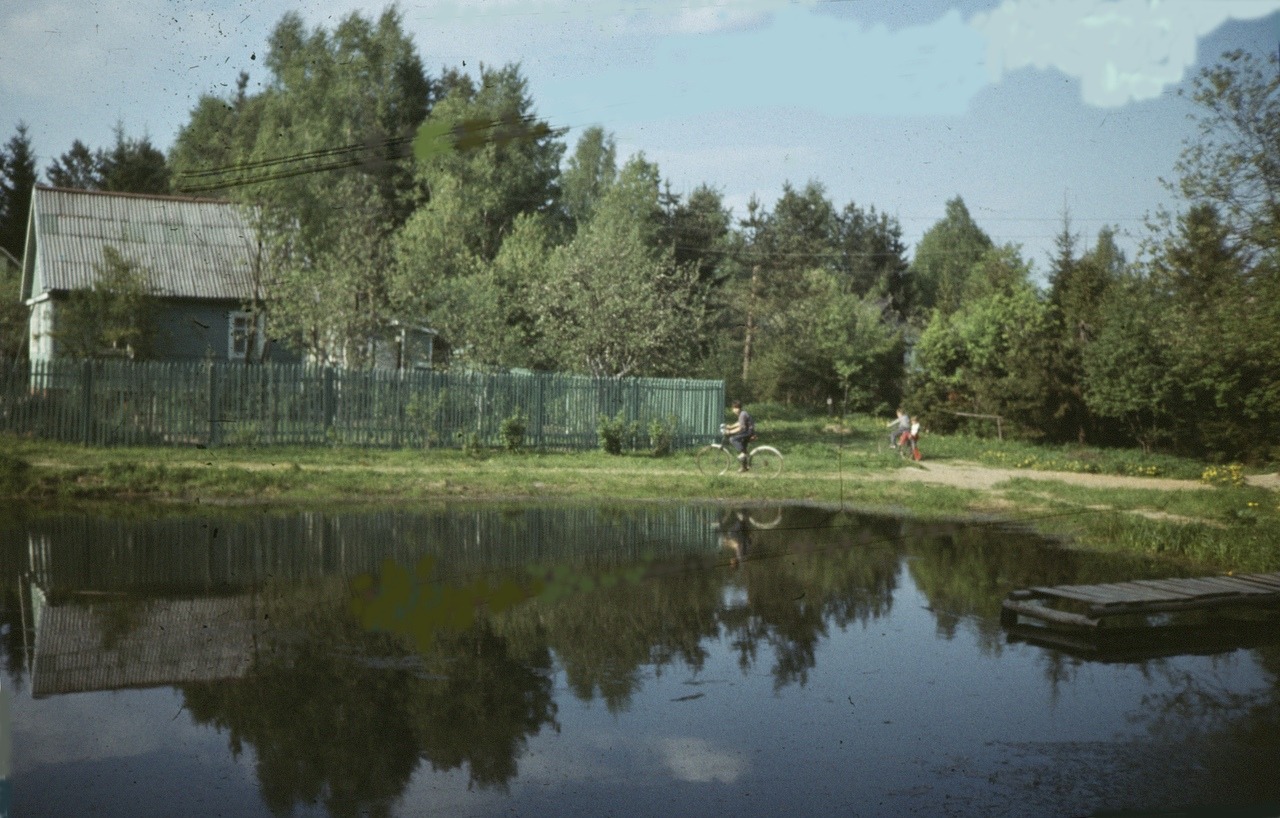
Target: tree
pixel 506 160
pixel 989 357
pixel 614 303
pixel 321 156
pixel 1200 264
pixel 77 169
pixel 502 163
pixel 808 303
pixel 133 165
pixel 588 173
pixel 1128 369
pixel 873 257
pixel 1078 288
pixel 803 231
pixel 488 312
pixel 17 178
pixel 13 313
pixel 696 227
pixel 210 154
pixel 1234 160
pixel 830 342
pixel 774 252
pixel 115 317
pixel 1220 261
pixel 946 253
pixel 1218 332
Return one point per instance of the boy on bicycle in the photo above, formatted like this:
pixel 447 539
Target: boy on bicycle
pixel 741 432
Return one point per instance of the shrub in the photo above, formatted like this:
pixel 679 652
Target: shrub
pixel 662 435
pixel 470 442
pixel 615 433
pixel 512 430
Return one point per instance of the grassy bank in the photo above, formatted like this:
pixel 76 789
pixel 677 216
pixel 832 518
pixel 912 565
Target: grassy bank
pixel 1222 523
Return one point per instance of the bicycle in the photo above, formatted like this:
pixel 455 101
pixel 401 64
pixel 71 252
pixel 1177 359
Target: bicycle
pixel 720 458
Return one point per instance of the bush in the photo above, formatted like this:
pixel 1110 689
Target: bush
pixel 512 430
pixel 615 433
pixel 470 443
pixel 662 435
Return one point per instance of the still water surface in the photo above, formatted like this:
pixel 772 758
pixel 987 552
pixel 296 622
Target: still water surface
pixel 621 661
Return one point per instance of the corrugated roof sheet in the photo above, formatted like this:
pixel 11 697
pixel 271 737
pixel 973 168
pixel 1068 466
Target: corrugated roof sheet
pixel 190 248
pixel 169 642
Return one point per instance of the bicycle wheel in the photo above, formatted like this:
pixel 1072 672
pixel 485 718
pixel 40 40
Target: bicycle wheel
pixel 766 517
pixel 766 461
pixel 715 459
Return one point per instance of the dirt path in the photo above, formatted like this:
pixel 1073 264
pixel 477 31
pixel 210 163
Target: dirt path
pixel 976 476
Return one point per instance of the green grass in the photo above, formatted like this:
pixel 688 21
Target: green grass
pixel 1220 521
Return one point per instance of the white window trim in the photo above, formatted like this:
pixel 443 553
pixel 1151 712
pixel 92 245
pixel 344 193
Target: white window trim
pixel 232 318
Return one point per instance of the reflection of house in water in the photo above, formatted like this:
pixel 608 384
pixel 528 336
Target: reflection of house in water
pixel 110 644
pixel 113 604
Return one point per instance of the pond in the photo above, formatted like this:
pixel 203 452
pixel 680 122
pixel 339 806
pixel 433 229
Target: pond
pixel 631 660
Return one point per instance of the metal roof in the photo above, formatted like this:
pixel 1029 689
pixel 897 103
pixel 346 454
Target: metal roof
pixel 190 248
pixel 168 642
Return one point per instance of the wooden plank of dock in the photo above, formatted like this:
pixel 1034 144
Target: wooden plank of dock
pixel 1143 596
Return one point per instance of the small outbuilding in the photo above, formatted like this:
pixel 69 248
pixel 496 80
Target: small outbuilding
pixel 199 258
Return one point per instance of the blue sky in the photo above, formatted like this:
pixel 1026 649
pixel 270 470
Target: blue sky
pixel 1022 107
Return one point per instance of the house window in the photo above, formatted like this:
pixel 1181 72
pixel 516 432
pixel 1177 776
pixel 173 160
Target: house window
pixel 241 325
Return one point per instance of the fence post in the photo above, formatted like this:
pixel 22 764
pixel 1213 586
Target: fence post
pixel 328 409
pixel 86 401
pixel 538 415
pixel 214 400
pixel 635 399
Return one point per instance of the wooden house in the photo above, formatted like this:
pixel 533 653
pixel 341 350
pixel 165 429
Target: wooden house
pixel 198 255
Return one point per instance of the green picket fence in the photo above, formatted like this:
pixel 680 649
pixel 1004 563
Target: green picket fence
pixel 116 402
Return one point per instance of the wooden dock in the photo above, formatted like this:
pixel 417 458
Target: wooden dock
pixel 1091 606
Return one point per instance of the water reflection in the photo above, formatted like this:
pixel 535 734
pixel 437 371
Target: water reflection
pixel 352 662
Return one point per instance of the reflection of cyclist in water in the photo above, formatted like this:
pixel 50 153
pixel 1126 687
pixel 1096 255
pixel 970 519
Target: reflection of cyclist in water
pixel 735 536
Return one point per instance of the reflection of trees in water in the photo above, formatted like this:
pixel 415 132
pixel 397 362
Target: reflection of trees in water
pixel 330 724
pixel 341 716
pixel 603 637
pixel 966 569
pixel 813 568
pixel 1234 736
pixel 816 567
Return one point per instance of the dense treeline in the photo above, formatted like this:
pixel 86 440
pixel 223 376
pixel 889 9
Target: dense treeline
pixel 524 251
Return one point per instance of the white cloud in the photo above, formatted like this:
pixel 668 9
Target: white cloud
pixel 638 16
pixel 697 761
pixel 707 19
pixel 1121 50
pixel 602 756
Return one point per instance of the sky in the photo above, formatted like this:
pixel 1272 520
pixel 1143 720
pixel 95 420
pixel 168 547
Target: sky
pixel 1027 109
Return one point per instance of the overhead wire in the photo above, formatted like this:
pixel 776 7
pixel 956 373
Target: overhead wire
pixel 397 149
